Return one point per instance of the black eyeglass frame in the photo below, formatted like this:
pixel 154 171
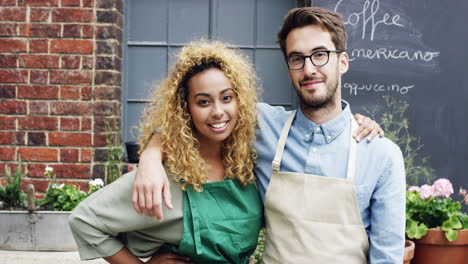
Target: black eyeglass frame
pixel 310 58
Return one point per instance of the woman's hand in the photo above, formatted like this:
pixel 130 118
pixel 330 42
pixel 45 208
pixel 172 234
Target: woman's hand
pixel 168 258
pixel 367 128
pixel 151 183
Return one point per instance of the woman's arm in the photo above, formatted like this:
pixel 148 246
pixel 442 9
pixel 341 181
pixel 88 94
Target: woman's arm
pixel 150 181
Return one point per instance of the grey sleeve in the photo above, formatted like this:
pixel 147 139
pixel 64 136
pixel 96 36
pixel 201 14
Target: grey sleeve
pixel 96 222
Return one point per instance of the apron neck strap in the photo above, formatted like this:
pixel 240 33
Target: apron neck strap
pixel 281 142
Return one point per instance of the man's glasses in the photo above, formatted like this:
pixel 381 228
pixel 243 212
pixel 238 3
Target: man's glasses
pixel 318 58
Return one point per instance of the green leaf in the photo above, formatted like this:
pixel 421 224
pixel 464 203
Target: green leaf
pixel 452 223
pixel 451 235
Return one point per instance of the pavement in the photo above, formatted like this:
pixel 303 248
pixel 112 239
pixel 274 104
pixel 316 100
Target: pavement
pixel 43 257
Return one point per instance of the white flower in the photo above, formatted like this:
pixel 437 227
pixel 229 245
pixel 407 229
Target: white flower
pixel 49 169
pixel 96 182
pixel 56 186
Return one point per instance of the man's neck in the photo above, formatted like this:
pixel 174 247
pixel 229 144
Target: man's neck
pixel 324 114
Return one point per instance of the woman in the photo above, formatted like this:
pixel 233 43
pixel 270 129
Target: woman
pixel 204 112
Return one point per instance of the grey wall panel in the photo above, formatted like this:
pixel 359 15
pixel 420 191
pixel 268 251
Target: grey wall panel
pixel 132 121
pixel 145 66
pixel 147 20
pixel 233 21
pixel 188 20
pixel 269 19
pixel 272 71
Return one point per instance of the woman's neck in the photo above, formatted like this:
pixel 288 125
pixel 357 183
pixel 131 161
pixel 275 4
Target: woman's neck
pixel 212 155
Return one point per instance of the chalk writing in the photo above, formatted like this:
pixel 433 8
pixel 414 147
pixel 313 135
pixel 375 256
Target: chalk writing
pixel 375 87
pixel 384 53
pixel 368 17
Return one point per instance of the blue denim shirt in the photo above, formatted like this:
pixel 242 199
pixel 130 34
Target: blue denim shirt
pixel 323 150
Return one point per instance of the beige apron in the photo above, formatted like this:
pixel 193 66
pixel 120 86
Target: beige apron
pixel 311 218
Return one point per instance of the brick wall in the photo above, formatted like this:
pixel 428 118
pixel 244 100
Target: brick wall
pixel 60 83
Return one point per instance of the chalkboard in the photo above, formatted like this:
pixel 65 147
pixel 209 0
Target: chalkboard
pixel 416 51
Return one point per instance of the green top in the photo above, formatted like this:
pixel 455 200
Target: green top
pixel 106 221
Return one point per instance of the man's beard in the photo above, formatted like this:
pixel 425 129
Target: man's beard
pixel 315 102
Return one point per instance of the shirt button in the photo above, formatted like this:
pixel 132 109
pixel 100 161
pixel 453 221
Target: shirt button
pixel 307 135
pixel 314 149
pixel 317 129
pixel 329 137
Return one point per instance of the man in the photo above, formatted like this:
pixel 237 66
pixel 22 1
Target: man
pixel 327 198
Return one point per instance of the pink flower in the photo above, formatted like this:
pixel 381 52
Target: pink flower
pixel 462 191
pixel 413 188
pixel 426 191
pixel 442 188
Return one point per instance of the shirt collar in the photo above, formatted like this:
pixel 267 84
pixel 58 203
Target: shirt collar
pixel 331 129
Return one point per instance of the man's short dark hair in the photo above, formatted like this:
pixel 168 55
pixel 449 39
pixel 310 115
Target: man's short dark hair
pixel 328 19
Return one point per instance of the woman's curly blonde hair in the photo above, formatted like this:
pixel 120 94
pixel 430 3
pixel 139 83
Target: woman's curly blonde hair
pixel 168 115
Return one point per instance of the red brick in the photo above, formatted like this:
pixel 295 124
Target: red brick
pixel 70 2
pixel 38 107
pixel 39 14
pixel 68 124
pixel 103 108
pixel 85 155
pixel 13 76
pixel 77 171
pixel 12 138
pixel 86 93
pixel 7 2
pixel 38 2
pixel 71 31
pixel 69 139
pixel 38 46
pixel 7 122
pixel 12 45
pixel 42 30
pixel 36 169
pixel 36 138
pixel 38 77
pixel 11 166
pixel 12 107
pixel 8 30
pixel 70 77
pixel 70 92
pixel 69 155
pixel 85 123
pixel 99 140
pixel 38 154
pixel 7 91
pixel 7 153
pixel 72 15
pixel 8 61
pixel 39 185
pixel 88 3
pixel 37 92
pixel 70 108
pixel 38 123
pixel 71 61
pixel 87 62
pixel 88 31
pixel 38 61
pixel 74 46
pixel 13 13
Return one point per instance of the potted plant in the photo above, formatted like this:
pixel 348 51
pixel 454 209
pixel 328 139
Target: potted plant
pixel 44 225
pixel 436 224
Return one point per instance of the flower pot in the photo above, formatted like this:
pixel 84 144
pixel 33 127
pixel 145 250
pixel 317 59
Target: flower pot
pixel 132 151
pixel 434 248
pixel 409 252
pixel 41 230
